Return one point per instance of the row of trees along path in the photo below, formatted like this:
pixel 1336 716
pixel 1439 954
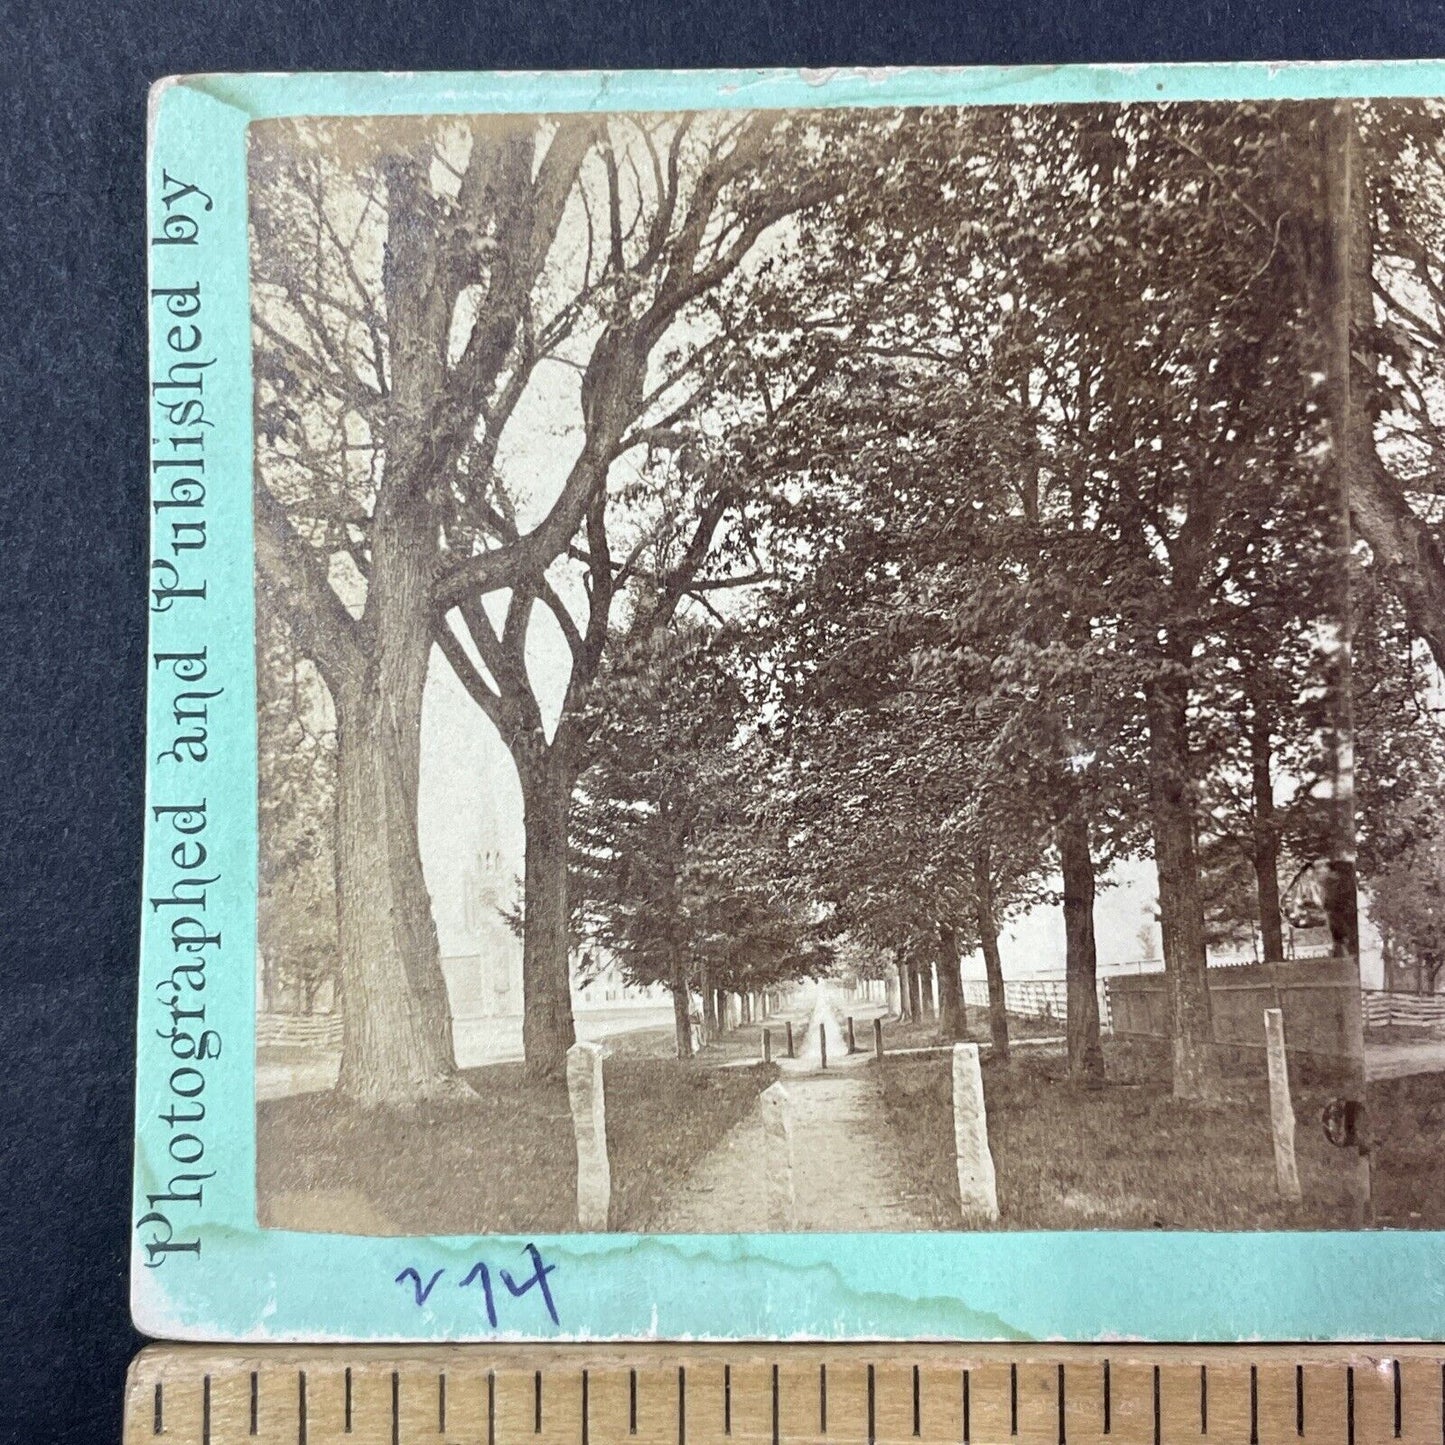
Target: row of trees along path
pixel 1000 455
pixel 846 1170
pixel 408 286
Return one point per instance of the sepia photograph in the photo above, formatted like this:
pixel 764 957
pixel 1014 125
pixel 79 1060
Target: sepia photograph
pixel 853 669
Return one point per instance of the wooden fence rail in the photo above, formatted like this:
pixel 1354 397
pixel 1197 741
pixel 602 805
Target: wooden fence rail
pixel 1387 1009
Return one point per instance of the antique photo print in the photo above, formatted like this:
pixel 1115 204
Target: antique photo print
pixel 846 670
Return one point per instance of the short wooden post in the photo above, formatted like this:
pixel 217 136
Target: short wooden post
pixel 822 1043
pixel 852 1042
pixel 878 1038
pixel 1281 1110
pixel 589 1124
pixel 767 1046
pixel 778 1157
pixel 790 1040
pixel 977 1185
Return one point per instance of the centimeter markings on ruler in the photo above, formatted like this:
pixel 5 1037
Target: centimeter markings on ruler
pixel 756 1394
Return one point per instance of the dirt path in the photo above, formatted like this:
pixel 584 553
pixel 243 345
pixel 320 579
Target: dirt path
pixel 1396 1060
pixel 846 1169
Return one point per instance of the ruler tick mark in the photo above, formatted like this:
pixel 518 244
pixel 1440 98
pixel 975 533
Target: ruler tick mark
pixel 195 1408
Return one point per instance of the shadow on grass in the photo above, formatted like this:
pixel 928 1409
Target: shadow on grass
pixel 1407 1122
pixel 1122 1156
pixel 923 1033
pixel 741 1045
pixel 504 1163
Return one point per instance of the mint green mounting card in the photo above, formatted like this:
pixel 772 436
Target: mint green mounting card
pixel 795 706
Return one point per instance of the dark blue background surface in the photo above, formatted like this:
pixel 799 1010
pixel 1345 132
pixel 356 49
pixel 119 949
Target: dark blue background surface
pixel 73 514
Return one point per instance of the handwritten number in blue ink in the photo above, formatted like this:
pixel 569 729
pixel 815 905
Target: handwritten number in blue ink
pixel 422 1290
pixel 540 1272
pixel 481 1272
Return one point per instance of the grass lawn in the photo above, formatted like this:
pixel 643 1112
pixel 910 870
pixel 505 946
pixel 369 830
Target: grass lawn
pixel 1407 1121
pixel 922 1033
pixel 1400 1034
pixel 735 1046
pixel 1124 1156
pixel 505 1163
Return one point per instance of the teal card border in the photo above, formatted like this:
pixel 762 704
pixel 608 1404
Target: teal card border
pixel 239 1282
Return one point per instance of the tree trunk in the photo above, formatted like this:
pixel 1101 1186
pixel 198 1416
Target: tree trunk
pixel 905 1000
pixel 952 1012
pixel 681 1009
pixel 1266 833
pixel 1404 546
pixel 1081 963
pixel 709 1006
pixel 547 1026
pixel 1404 549
pixel 396 1019
pixel 925 986
pixel 915 992
pixel 1347 300
pixel 988 942
pixel 1181 903
pixel 1349 313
